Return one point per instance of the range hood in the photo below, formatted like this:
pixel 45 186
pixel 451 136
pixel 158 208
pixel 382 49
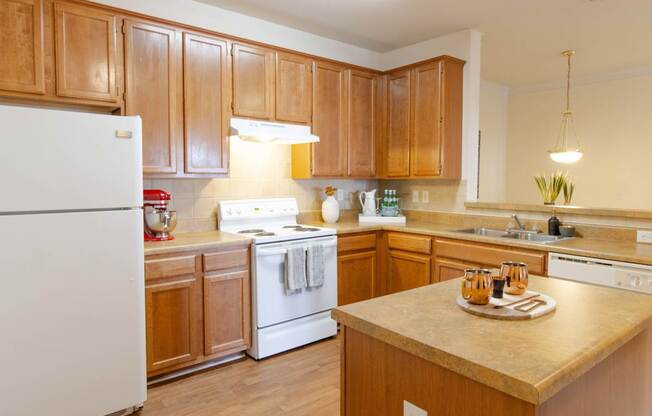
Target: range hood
pixel 269 132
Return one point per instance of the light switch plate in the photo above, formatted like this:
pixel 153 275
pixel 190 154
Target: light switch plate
pixel 425 196
pixel 644 236
pixel 411 410
pixel 339 195
pixel 415 196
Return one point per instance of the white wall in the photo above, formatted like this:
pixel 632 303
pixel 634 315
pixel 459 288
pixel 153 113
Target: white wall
pixel 613 119
pixel 236 24
pixel 494 104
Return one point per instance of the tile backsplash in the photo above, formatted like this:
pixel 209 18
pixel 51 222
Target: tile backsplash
pixel 257 171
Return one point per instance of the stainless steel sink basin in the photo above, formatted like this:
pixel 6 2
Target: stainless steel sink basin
pixel 514 235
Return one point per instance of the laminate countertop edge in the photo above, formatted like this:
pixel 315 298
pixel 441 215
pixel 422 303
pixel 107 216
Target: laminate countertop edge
pixel 576 246
pixel 202 241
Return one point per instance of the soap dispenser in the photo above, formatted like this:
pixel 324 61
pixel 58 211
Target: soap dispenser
pixel 553 225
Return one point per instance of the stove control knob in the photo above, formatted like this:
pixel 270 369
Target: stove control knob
pixel 229 211
pixel 238 211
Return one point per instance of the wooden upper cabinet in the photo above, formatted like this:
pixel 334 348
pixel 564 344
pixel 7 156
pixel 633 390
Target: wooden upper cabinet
pixel 85 52
pixel 21 46
pixel 397 144
pixel 153 86
pixel 206 102
pixel 329 156
pixel 293 88
pixel 426 146
pixel 452 73
pixel 361 124
pixel 253 81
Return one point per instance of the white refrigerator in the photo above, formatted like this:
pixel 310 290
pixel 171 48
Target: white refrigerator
pixel 72 313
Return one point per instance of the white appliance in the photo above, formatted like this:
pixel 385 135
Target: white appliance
pixel 636 277
pixel 71 248
pixel 282 321
pixel 271 132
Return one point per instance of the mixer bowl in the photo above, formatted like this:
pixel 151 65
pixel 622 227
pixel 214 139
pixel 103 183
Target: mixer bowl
pixel 161 223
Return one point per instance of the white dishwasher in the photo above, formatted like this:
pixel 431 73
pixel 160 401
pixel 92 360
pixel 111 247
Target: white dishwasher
pixel 631 276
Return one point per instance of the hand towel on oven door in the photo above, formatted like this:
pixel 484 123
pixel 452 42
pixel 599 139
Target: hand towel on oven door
pixel 295 270
pixel 315 265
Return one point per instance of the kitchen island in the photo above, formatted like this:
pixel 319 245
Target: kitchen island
pixel 592 356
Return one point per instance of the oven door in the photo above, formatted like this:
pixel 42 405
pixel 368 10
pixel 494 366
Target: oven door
pixel 271 304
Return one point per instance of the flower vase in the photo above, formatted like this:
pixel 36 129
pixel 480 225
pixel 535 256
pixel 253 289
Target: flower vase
pixel 330 210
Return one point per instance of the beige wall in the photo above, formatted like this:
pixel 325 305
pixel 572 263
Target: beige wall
pixel 614 122
pixel 257 171
pixel 494 102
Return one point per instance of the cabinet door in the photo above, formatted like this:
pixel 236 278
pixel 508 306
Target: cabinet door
pixel 206 100
pixel 426 121
pixel 397 144
pixel 253 82
pixel 407 271
pixel 356 274
pixel 293 88
pixel 329 156
pixel 173 318
pixel 21 46
pixel 451 115
pixel 153 91
pixel 447 269
pixel 362 124
pixel 85 52
pixel 226 312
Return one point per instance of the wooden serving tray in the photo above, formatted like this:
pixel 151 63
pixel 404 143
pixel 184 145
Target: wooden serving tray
pixel 509 313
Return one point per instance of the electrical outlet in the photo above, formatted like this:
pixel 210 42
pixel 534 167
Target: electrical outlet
pixel 339 195
pixel 415 196
pixel 644 236
pixel 425 196
pixel 411 410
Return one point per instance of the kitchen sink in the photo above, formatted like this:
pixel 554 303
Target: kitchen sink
pixel 514 235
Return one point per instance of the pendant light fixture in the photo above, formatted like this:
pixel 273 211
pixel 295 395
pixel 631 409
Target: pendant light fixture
pixel 567 150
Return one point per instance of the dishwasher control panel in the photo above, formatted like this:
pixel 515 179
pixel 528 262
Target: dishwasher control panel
pixel 630 276
pixel 633 280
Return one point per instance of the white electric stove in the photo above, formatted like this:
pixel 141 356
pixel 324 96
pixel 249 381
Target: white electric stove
pixel 282 321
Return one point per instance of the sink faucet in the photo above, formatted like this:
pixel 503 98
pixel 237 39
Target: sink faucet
pixel 521 226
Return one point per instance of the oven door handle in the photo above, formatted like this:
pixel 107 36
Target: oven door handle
pixel 279 251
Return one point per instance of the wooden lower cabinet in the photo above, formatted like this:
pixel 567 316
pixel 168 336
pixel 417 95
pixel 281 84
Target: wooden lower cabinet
pixel 407 271
pixel 226 317
pixel 174 320
pixel 356 277
pixel 197 307
pixel 447 269
pixel 357 268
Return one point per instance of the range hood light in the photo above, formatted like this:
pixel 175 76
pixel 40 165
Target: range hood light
pixel 269 132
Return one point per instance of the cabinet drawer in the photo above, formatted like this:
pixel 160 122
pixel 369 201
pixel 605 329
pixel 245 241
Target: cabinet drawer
pixel 356 242
pixel 226 260
pixel 409 242
pixel 169 267
pixel 490 255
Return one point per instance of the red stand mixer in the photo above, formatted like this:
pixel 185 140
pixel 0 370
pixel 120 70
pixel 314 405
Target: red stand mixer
pixel 159 220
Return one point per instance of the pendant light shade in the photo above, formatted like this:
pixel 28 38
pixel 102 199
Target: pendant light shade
pixel 567 150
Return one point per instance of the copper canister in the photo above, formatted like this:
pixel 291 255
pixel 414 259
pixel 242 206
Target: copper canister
pixel 516 277
pixel 477 285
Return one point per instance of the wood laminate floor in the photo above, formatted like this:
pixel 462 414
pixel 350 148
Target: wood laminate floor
pixel 301 382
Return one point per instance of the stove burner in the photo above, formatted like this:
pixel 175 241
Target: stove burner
pixel 292 226
pixel 306 229
pixel 252 231
pixel 264 234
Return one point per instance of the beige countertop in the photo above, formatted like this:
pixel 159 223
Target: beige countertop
pixel 195 241
pixel 531 360
pixel 628 251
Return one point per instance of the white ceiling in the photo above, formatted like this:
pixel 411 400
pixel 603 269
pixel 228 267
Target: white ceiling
pixel 522 38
